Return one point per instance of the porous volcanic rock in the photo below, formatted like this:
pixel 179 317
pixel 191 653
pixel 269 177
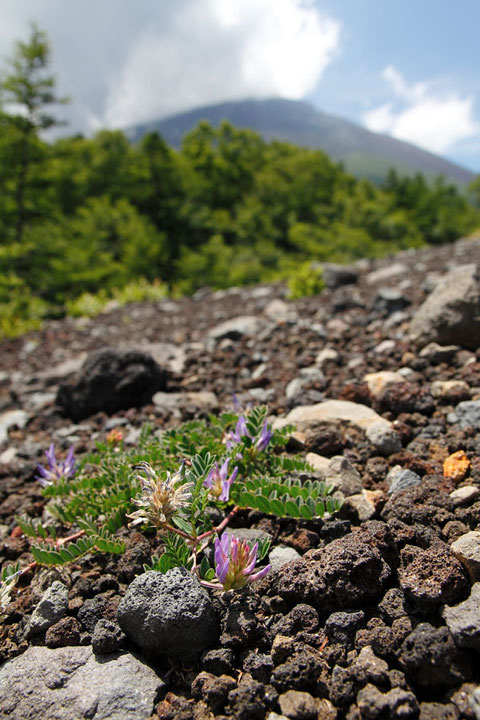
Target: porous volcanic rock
pixel 346 573
pixel 111 380
pixel 169 614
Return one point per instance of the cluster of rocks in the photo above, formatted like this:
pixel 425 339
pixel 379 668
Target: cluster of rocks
pixel 374 613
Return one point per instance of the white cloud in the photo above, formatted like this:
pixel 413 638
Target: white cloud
pixel 125 61
pixel 215 50
pixel 420 115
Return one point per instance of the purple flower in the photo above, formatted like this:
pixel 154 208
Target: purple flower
pixel 217 481
pixel 239 432
pixel 259 443
pixel 235 562
pixel 56 471
pixel 264 438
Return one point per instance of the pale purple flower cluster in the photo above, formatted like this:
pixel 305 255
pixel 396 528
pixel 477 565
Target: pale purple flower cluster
pixel 56 471
pixel 218 482
pixel 235 562
pixel 258 443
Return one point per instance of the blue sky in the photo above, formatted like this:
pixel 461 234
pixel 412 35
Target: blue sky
pixel 409 68
pixel 429 43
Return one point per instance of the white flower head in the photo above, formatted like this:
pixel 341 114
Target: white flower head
pixel 160 498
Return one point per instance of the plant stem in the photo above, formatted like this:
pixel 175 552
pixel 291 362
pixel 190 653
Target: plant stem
pixel 222 525
pixel 179 532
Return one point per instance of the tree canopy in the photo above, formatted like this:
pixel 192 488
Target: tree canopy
pixel 89 215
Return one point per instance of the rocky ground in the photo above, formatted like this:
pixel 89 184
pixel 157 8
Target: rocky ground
pixel 372 614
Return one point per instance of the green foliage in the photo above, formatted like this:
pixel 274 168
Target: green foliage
pixel 84 220
pixel 305 280
pixel 8 578
pixel 176 553
pixel 91 304
pixel 92 509
pixel 292 498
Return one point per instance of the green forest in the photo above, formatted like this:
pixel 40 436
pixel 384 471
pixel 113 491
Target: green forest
pixel 84 220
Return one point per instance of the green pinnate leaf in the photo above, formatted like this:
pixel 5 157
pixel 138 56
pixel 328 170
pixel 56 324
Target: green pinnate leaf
pixel 262 504
pixel 292 509
pixel 277 506
pixel 247 500
pixel 306 512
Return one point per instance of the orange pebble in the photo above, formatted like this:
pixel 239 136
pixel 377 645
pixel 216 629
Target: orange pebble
pixel 456 465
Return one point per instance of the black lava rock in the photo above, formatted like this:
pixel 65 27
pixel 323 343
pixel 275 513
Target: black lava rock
pixel 111 380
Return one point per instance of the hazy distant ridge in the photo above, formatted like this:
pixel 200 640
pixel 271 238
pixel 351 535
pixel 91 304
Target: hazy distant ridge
pixel 363 152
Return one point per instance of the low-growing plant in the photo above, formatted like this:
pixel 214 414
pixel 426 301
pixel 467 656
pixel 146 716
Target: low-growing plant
pixel 305 280
pixel 227 464
pixel 91 304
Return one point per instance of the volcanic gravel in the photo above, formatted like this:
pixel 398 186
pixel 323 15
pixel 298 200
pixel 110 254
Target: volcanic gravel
pixel 360 625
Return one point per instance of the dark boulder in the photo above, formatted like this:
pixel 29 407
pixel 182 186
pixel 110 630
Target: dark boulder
pixel 111 380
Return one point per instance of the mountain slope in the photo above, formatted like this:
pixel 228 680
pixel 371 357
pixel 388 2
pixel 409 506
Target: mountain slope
pixel 364 153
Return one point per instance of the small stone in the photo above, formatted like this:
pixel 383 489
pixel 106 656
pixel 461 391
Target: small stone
pixel 51 608
pixel 212 690
pixel 219 661
pixel 384 438
pixel 387 273
pixel 280 311
pixel 280 556
pixel 390 300
pixel 342 626
pixel 467 550
pixel 11 418
pixel 346 573
pixel 302 618
pixel 436 353
pixel 111 379
pixel 298 705
pixel 463 620
pixel 304 416
pixel 437 711
pixel 453 391
pixel 432 577
pixel 465 495
pixel 65 632
pixel 237 327
pixel 378 381
pixel 456 466
pixel 259 665
pixel 466 414
pixel 369 668
pixel 8 455
pixel 360 506
pixel 203 400
pixel 92 610
pixel 399 479
pixel 371 702
pixel 249 535
pixel 318 462
pixel 299 671
pixel 282 647
pixel 474 701
pixel 343 476
pixel 107 637
pixel 386 347
pixel 392 606
pixel 325 356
